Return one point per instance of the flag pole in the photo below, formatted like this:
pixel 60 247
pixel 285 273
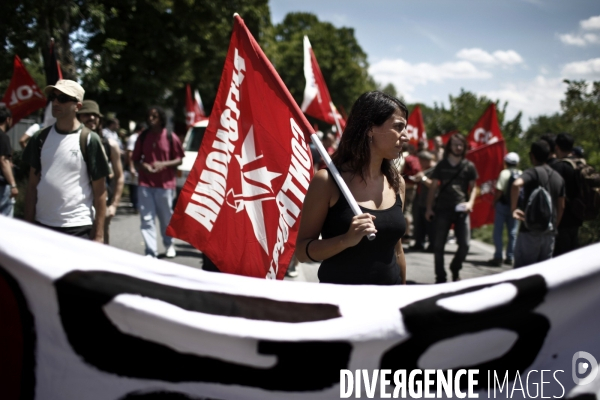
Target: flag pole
pixel 338 178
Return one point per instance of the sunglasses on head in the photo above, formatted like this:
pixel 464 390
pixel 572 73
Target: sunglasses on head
pixel 62 98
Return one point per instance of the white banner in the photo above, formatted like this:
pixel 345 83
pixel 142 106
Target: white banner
pixel 80 320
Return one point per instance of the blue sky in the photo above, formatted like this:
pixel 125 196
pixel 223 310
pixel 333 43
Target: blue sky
pixel 513 50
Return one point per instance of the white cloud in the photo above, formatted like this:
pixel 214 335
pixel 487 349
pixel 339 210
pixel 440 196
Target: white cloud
pixel 592 38
pixel 499 57
pixel 406 76
pixel 583 39
pixel 580 40
pixel 590 23
pixel 573 40
pixel 583 69
pixel 541 96
pixel 476 55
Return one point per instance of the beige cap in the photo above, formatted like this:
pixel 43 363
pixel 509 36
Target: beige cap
pixel 68 87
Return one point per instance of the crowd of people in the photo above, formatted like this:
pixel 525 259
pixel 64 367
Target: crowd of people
pixel 77 170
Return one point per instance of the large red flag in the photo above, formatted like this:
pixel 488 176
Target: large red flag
pixel 317 101
pixel 242 200
pixel 415 127
pixel 489 161
pixel 194 112
pixel 486 130
pixel 23 95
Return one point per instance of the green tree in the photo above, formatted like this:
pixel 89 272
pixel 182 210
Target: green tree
pixel 129 54
pixel 580 117
pixel 147 50
pixel 341 59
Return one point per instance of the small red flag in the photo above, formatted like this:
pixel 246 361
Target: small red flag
pixel 415 127
pixel 486 130
pixel 23 95
pixel 242 200
pixel 194 112
pixel 317 101
pixel 489 161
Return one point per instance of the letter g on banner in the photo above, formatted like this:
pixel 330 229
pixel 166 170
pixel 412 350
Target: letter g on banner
pixel 580 368
pixel 431 324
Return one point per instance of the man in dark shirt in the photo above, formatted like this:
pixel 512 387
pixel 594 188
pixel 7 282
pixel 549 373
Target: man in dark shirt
pixel 567 238
pixel 455 177
pixel 533 247
pixel 8 186
pixel 550 138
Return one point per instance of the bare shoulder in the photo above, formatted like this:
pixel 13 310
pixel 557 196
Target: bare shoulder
pixel 323 185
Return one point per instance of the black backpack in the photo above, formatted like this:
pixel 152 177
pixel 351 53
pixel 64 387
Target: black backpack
pixel 514 175
pixel 539 210
pixel 586 204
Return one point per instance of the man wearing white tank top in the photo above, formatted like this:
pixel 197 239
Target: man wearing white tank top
pixel 66 190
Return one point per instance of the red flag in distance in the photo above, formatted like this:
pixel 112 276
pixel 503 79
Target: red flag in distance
pixel 489 161
pixel 317 101
pixel 486 130
pixel 194 113
pixel 415 127
pixel 23 95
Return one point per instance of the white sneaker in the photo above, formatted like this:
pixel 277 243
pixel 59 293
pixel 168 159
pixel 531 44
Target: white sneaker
pixel 171 253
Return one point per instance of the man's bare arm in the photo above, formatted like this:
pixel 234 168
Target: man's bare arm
pixel 31 195
pixel 99 190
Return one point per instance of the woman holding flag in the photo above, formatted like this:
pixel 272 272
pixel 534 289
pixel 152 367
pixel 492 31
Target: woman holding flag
pixel 374 135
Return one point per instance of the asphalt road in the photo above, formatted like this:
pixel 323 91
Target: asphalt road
pixel 125 234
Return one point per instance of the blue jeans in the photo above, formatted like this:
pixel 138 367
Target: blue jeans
pixel 6 203
pixel 442 222
pixel 504 217
pixel 155 202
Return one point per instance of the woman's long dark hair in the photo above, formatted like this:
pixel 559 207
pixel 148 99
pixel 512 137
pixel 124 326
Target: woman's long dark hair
pixel 353 154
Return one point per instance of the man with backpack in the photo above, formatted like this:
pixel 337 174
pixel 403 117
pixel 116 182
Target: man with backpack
pixel 89 115
pixel 567 238
pixel 66 190
pixel 541 210
pixel 157 154
pixel 502 215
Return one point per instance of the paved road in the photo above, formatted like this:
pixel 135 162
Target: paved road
pixel 125 234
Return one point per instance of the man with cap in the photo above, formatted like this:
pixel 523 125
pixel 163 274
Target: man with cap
pixel 503 215
pixel 89 115
pixel 66 190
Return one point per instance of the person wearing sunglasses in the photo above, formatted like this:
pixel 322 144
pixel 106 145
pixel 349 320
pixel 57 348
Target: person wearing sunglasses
pixel 66 190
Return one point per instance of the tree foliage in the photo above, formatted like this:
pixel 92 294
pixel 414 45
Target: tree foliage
pixel 579 117
pixel 463 113
pixel 341 59
pixel 133 53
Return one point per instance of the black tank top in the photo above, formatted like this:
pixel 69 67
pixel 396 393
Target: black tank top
pixel 369 262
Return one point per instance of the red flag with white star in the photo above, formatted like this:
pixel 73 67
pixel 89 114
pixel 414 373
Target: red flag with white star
pixel 486 130
pixel 317 101
pixel 489 161
pixel 194 111
pixel 23 96
pixel 242 200
pixel 415 127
